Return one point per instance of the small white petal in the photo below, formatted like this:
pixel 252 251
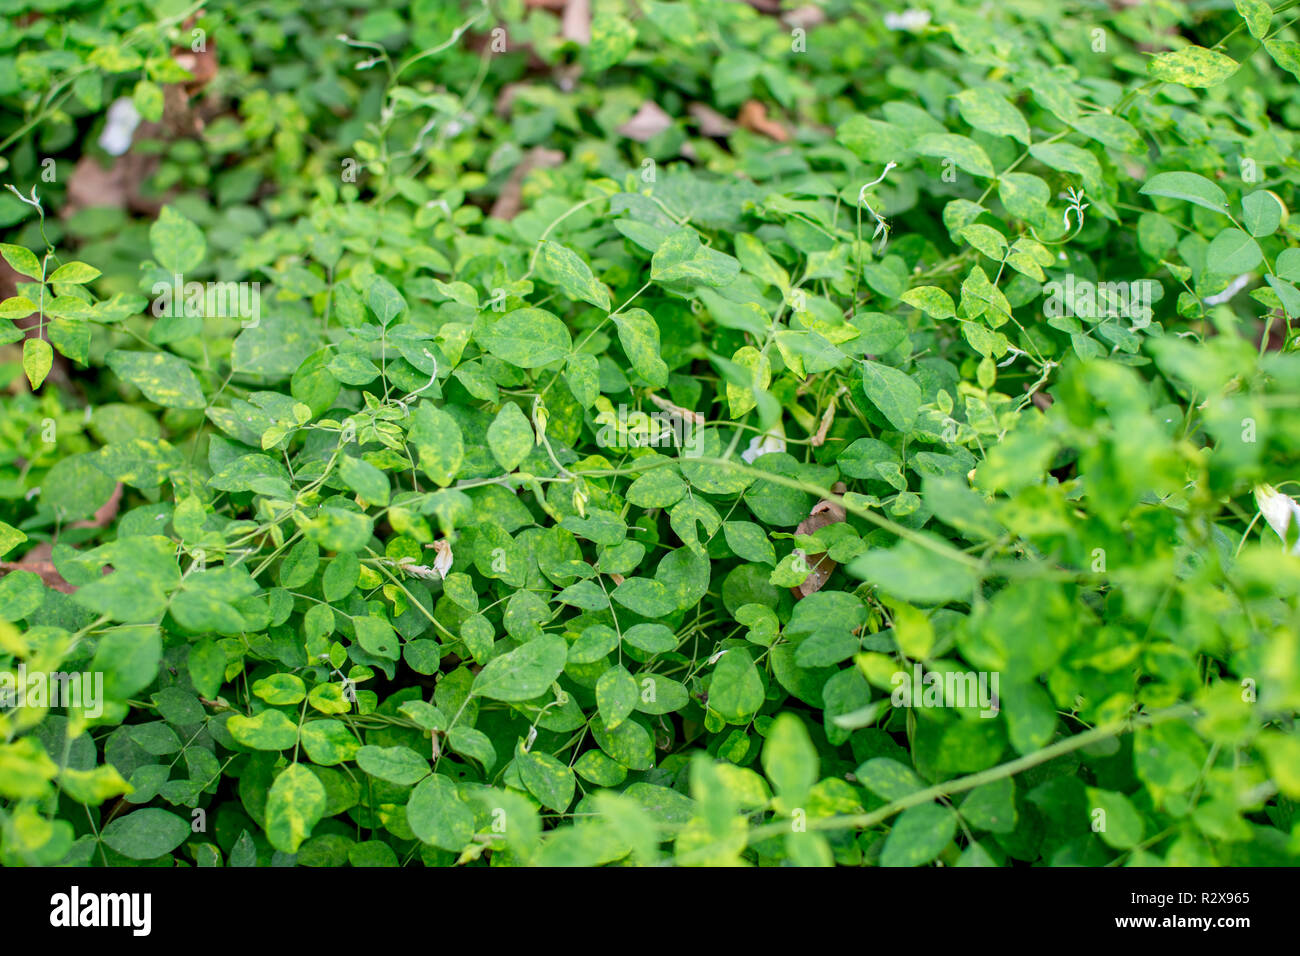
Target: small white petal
pixel 120 126
pixel 1278 510
pixel 442 563
pixel 761 445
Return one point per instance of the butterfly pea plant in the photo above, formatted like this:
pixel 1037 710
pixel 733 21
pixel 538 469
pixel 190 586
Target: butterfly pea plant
pixel 717 436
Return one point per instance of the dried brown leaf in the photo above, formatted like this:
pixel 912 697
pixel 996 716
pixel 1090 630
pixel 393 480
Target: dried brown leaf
pixel 709 121
pixel 575 21
pixel 510 200
pixel 825 512
pixel 753 116
pixel 647 123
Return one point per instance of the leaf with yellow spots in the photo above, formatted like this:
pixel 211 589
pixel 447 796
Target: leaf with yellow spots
pixel 164 378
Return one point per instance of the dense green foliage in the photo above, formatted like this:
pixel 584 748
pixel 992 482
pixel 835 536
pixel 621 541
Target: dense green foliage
pixel 587 469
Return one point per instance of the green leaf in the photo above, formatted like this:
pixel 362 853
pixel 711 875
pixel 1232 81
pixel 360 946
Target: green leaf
pixel 21 260
pixel 178 245
pixel 528 338
pixel 547 779
pixel 918 835
pixel 1262 212
pixel 1071 159
pixel 76 487
pixel 1233 252
pixel 756 260
pixel 280 689
pixel 582 375
pixel 340 577
pixel 735 692
pixel 562 267
pixel 645 596
pixel 10 538
pixel 399 765
pixel 1189 187
pixel 789 760
pixel 986 110
pixel 20 594
pixel 616 695
pixel 888 779
pixel 377 637
pixel 17 307
pixel 437 439
pixel 38 359
pixel 163 378
pixel 931 300
pixel 656 489
pixel 749 541
pixel 524 673
pixel 329 742
pixel 365 479
pixel 1193 66
pixel 683 258
pixel 986 239
pixel 991 807
pixel 965 153
pixel 1111 131
pixel 339 529
pixel 893 392
pixel 593 644
pixel 1288 264
pixel 1025 195
pixel 638 333
pixel 268 730
pixel 1121 826
pixel 510 437
pixel 473 743
pixel 438 816
pixel 294 805
pixel 1287 293
pixel 128 658
pixel 384 299
pixel 1257 14
pixel 612 38
pixel 77 273
pixel 1285 53
pixel 146 834
pixel 873 140
pixel 651 638
pixel 915 574
pixel 148 99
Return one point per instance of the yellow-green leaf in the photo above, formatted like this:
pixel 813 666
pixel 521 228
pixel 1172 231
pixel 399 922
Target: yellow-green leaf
pixel 562 267
pixel 987 111
pixel 75 272
pixel 38 359
pixel 1193 66
pixel 437 438
pixel 163 377
pixel 1257 14
pixel 294 806
pixel 21 260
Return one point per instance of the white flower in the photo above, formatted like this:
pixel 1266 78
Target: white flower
pixel 442 563
pixel 1278 510
pixel 761 445
pixel 123 118
pixel 1235 286
pixel 911 20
